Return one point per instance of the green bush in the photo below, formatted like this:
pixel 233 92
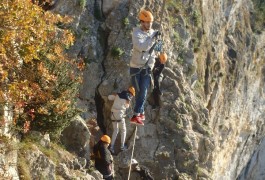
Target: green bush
pixel 41 81
pixel 196 17
pixel 116 52
pixel 52 117
pixel 82 3
pixel 125 22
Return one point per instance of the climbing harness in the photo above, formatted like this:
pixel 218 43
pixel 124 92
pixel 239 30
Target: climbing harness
pixel 135 132
pixel 115 119
pixel 157 46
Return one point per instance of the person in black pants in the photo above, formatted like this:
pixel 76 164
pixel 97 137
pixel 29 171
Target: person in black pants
pixel 157 70
pixel 103 157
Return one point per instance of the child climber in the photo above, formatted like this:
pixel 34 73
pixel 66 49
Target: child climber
pixel 118 110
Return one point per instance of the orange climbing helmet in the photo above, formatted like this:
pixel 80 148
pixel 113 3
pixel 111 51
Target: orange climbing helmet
pixel 146 16
pixel 106 139
pixel 132 90
pixel 163 58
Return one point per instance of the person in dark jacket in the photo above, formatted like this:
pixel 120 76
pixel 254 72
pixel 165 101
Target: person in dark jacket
pixel 157 70
pixel 103 157
pixel 140 172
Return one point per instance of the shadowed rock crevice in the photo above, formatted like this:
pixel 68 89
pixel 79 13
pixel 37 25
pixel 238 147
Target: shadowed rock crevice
pixel 103 34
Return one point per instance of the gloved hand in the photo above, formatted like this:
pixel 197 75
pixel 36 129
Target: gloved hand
pixel 157 33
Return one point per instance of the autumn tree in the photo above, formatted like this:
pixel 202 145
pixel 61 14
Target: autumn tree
pixel 38 80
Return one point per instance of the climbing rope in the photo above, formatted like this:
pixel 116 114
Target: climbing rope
pixel 159 43
pixel 135 132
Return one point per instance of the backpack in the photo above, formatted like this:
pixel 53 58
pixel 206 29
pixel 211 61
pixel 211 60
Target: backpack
pixel 96 153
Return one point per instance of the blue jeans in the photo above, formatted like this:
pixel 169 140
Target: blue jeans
pixel 141 80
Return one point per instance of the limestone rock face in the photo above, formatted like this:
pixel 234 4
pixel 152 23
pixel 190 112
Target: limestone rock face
pixel 52 162
pixel 214 123
pixel 40 165
pixel 255 168
pixel 8 160
pixel 211 118
pixel 108 6
pixel 76 138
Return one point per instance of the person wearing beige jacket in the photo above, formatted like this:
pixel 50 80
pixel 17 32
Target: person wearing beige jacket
pixel 118 114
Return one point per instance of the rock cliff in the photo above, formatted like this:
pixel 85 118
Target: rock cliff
pixel 212 116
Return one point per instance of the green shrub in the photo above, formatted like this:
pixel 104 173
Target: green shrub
pixel 125 22
pixel 82 3
pixel 196 17
pixel 53 116
pixel 44 82
pixel 116 52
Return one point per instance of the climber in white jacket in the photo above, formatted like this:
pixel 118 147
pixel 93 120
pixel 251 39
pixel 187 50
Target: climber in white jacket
pixel 142 62
pixel 118 113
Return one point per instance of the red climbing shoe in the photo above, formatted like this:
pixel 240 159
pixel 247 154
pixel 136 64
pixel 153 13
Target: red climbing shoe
pixel 137 120
pixel 142 116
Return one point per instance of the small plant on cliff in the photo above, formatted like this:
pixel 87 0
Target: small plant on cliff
pixel 125 22
pixel 82 3
pixel 196 17
pixel 116 52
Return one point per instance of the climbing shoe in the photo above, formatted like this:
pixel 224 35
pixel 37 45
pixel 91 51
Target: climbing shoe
pixel 137 120
pixel 142 116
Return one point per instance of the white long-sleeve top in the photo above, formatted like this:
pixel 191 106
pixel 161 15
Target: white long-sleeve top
pixel 119 107
pixel 142 42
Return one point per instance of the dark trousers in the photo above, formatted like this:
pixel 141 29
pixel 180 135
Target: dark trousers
pixel 156 91
pixel 141 80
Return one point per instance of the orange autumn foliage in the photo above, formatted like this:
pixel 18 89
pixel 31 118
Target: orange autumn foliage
pixel 35 69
